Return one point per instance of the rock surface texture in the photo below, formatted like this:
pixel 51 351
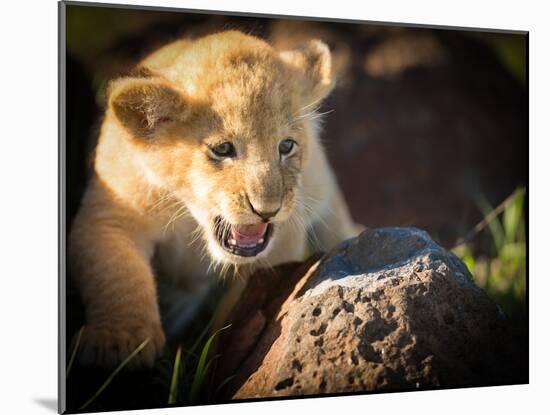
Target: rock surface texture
pixel 388 310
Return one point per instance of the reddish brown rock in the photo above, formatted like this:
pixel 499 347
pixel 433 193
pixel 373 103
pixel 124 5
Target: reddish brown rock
pixel 389 310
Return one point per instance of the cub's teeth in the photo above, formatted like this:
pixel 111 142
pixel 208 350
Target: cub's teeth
pixel 261 241
pixel 232 242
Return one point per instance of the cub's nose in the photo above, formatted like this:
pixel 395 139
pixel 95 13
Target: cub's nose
pixel 263 213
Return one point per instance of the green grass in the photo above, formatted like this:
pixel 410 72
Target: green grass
pixel 173 396
pixel 496 257
pixel 191 374
pixel 184 374
pixel 203 366
pixel 114 373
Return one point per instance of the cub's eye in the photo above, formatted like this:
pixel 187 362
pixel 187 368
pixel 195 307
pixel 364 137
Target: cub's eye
pixel 223 150
pixel 286 146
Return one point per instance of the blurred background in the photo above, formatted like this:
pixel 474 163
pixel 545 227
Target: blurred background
pixel 427 127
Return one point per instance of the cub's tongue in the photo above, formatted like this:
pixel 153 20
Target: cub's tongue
pixel 248 235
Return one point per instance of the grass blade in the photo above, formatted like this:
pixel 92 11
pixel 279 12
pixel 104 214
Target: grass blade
pixel 115 372
pixel 512 217
pixel 202 335
pixel 202 366
pixel 73 354
pixel 173 396
pixel 495 226
pixel 225 382
pixel 207 367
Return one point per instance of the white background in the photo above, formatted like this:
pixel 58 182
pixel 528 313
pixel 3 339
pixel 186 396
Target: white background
pixel 28 204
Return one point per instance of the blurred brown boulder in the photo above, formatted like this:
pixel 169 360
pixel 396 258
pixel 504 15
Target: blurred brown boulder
pixel 424 121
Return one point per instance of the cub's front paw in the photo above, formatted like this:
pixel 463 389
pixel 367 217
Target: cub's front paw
pixel 107 345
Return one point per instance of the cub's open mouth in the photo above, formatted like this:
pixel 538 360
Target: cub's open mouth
pixel 242 240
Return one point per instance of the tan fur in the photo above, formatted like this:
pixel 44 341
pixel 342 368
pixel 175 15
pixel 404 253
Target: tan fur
pixel 156 188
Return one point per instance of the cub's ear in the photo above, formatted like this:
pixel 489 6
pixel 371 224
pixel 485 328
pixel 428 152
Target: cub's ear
pixel 146 107
pixel 313 62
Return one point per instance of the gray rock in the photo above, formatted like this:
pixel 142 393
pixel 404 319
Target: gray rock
pixel 388 310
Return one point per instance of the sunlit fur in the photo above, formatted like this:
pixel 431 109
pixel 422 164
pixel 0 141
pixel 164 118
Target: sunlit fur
pixel 157 187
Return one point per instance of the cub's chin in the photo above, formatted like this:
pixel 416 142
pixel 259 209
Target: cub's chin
pixel 239 243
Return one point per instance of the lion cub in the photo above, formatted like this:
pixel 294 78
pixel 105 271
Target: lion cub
pixel 208 155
